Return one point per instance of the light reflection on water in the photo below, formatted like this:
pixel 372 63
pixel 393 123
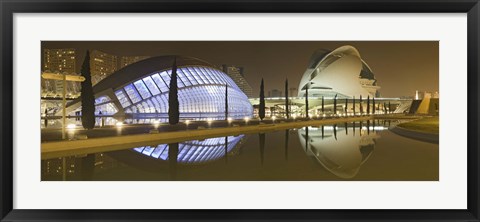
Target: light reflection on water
pixel 348 151
pixel 335 150
pixel 195 151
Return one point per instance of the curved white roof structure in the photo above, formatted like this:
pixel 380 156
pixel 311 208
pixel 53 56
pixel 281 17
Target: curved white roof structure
pixel 340 72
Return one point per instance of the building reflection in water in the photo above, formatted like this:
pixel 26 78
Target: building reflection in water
pixel 195 151
pixel 340 153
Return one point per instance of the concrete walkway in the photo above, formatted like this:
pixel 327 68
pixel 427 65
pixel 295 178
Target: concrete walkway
pixel 82 147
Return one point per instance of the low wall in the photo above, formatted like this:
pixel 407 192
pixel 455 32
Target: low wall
pixel 416 135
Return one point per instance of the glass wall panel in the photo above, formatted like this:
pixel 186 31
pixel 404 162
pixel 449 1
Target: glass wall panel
pixel 183 78
pixel 197 77
pixel 151 85
pixel 160 83
pixel 102 99
pixel 166 77
pixel 202 75
pixel 190 76
pixel 106 109
pixel 132 93
pixel 122 98
pixel 151 106
pixel 142 89
pixel 140 108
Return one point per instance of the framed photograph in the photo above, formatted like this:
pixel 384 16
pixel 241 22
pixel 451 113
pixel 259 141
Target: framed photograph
pixel 264 110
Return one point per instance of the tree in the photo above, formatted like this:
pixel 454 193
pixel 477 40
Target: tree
pixel 88 99
pixel 306 102
pixel 335 105
pixel 46 120
pixel 373 105
pixel 261 108
pixel 368 105
pixel 226 101
pixel 361 105
pixel 354 105
pixel 323 106
pixel 346 105
pixel 173 105
pixel 287 110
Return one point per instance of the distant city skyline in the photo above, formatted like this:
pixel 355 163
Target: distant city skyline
pixel 399 67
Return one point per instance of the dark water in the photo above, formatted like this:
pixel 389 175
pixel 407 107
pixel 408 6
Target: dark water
pixel 353 151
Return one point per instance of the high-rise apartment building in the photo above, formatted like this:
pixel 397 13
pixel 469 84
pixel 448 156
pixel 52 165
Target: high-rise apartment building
pixel 127 60
pixel 102 65
pixel 237 75
pixel 59 60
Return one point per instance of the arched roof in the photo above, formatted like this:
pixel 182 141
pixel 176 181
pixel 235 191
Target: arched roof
pixel 142 89
pixel 139 69
pixel 342 79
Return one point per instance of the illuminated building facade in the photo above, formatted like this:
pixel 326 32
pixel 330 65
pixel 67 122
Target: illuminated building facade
pixel 58 61
pixel 102 65
pixel 139 92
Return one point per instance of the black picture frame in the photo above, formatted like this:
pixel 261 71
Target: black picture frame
pixel 9 7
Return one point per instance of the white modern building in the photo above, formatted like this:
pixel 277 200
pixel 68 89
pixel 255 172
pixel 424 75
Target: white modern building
pixel 340 72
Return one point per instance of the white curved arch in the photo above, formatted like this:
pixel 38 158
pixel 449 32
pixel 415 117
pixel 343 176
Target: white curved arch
pixel 338 72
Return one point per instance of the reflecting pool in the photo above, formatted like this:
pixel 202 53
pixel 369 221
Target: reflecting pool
pixel 356 151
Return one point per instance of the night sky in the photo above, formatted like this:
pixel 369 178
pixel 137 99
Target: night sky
pixel 399 67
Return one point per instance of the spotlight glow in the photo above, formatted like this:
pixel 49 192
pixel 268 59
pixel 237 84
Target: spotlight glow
pixel 71 126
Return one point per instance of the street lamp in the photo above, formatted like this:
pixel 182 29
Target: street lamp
pixel 156 123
